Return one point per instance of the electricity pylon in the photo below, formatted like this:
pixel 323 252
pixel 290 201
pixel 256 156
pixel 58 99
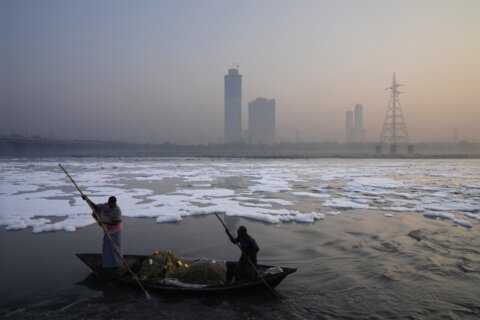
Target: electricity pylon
pixel 394 128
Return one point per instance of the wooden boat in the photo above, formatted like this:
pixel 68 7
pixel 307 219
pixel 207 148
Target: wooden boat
pixel 271 277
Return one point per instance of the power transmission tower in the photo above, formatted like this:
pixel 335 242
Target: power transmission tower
pixel 394 128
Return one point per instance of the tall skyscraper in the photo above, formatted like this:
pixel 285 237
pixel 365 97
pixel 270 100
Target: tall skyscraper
pixel 261 121
pixel 358 130
pixel 233 107
pixel 354 125
pixel 349 126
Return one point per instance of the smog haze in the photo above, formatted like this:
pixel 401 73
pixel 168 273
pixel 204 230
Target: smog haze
pixel 153 71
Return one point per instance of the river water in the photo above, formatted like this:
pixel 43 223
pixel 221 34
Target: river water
pixel 372 239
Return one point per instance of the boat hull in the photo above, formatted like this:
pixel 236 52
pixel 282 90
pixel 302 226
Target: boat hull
pixel 94 261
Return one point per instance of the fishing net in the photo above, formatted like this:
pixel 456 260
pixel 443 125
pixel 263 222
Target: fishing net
pixel 167 265
pixel 158 264
pixel 200 272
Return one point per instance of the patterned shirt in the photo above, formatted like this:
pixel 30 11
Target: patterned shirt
pixel 110 217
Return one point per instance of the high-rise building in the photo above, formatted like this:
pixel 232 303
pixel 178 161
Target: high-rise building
pixel 233 107
pixel 358 130
pixel 261 121
pixel 354 125
pixel 349 126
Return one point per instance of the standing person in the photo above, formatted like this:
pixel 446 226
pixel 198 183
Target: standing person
pixel 243 271
pixel 110 216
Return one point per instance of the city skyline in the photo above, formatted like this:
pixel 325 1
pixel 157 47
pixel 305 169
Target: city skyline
pixel 151 71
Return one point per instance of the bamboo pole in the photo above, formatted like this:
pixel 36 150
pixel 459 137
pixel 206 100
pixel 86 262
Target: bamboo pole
pixel 248 259
pixel 97 217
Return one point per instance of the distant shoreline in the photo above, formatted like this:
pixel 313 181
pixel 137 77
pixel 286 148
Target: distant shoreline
pixel 238 156
pixel 39 147
pixel 241 156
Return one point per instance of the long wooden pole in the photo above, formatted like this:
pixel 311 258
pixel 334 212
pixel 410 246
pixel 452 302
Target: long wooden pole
pixel 248 259
pixel 97 216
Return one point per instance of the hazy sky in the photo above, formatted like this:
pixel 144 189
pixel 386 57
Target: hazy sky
pixel 152 71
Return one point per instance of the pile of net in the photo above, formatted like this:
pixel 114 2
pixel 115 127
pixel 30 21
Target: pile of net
pixel 158 264
pixel 161 265
pixel 200 272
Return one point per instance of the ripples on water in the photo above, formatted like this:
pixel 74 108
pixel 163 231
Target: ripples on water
pixel 359 266
pixel 355 265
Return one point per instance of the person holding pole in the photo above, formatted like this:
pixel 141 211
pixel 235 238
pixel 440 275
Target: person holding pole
pixel 110 216
pixel 116 220
pixel 246 266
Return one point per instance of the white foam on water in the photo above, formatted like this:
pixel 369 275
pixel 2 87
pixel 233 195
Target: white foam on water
pixel 246 199
pixel 404 195
pixel 31 191
pixel 44 194
pixel 105 191
pixel 359 199
pixel 463 223
pixel 265 217
pixel 24 223
pixel 473 185
pixel 278 201
pixel 302 217
pixel 395 202
pixel 341 173
pixel 472 215
pixel 388 215
pixel 322 188
pixel 333 213
pixel 452 206
pixel 452 175
pixel 172 207
pixel 269 185
pixel 344 203
pixel 207 193
pixel 156 176
pixel 310 194
pixel 383 183
pixel 14 188
pixel 169 217
pixel 398 209
pixel 249 204
pixel 439 215
pixel 70 224
pixel 16 207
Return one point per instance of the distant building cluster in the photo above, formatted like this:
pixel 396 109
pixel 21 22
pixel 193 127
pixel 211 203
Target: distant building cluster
pixel 355 131
pixel 261 114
